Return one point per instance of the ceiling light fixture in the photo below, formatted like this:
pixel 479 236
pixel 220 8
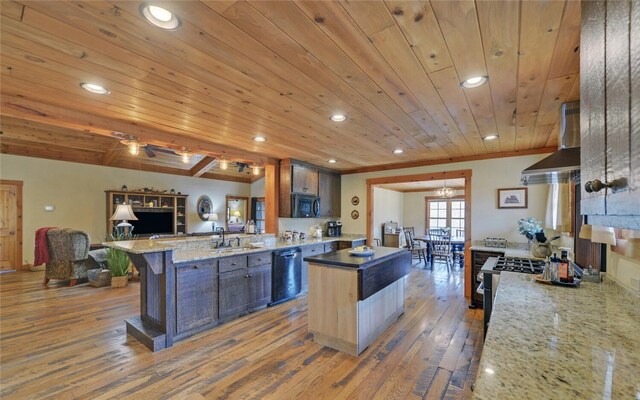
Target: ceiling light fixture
pixel 398 151
pixel 159 17
pixel 94 88
pixel 185 154
pixel 224 164
pixel 332 161
pixel 474 82
pixel 260 139
pixel 133 145
pixel 338 117
pixel 490 137
pixel 256 170
pixel 445 192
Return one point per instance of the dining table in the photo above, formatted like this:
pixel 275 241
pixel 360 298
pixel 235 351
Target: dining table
pixel 457 243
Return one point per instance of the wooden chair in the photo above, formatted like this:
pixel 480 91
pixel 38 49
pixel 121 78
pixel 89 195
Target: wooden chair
pixel 415 248
pixel 412 229
pixel 436 231
pixel 441 248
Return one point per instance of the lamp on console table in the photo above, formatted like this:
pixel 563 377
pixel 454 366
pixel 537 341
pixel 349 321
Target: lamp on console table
pixel 123 213
pixel 213 217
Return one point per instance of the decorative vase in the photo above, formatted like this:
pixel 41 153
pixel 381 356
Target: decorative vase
pixel 119 281
pixel 541 250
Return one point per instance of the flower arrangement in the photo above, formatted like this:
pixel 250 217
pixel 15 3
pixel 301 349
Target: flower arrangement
pixel 529 227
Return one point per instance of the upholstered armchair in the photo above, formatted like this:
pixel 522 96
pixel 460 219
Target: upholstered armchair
pixel 68 255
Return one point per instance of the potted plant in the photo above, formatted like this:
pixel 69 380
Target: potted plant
pixel 118 262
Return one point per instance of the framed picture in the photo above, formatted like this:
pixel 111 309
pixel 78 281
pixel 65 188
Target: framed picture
pixel 513 198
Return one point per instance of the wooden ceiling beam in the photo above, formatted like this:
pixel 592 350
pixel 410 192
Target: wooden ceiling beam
pixel 203 166
pixel 61 117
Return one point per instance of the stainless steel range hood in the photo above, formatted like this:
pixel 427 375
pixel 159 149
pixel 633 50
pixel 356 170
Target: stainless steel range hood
pixel 558 167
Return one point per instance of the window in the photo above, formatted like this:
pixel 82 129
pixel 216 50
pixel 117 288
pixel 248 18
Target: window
pixel 443 213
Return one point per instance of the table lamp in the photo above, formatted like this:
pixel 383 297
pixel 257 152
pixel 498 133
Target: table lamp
pixel 212 217
pixel 124 213
pixel 237 215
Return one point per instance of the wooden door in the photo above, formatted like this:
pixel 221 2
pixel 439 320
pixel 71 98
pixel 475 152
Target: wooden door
pixel 234 293
pixel 259 286
pixel 10 225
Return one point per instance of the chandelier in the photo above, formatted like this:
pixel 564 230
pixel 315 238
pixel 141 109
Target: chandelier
pixel 445 192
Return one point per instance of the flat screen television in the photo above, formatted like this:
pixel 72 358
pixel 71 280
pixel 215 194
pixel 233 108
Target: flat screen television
pixel 151 223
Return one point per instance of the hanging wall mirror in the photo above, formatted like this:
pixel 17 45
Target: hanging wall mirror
pixel 204 207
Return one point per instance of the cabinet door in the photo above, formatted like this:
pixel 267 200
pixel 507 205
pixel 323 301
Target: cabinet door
pixel 304 180
pixel 233 293
pixel 329 189
pixel 196 296
pixel 259 286
pixel 333 246
pixel 309 250
pixel 592 104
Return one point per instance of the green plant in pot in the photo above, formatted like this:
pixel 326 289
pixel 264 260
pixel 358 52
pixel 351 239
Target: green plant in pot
pixel 531 228
pixel 118 262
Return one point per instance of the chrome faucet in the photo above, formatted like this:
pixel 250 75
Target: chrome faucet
pixel 220 243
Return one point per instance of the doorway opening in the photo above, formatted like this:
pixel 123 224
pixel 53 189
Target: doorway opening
pixel 461 209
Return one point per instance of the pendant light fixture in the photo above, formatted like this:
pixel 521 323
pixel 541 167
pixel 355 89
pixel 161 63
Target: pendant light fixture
pixel 224 164
pixel 185 154
pixel 133 144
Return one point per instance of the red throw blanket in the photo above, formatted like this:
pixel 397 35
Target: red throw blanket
pixel 41 252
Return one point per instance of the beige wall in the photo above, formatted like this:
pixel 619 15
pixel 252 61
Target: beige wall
pixel 388 206
pixel 487 176
pixel 624 270
pixel 77 192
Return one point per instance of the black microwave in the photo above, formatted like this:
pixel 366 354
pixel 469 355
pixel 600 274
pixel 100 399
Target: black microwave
pixel 305 206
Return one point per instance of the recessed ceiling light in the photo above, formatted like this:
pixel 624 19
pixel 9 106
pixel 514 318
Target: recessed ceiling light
pixel 338 117
pixel 260 139
pixel 474 82
pixel 490 137
pixel 93 88
pixel 160 17
pixel 332 161
pixel 398 151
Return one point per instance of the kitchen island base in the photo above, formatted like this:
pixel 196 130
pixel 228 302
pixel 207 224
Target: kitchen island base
pixel 341 316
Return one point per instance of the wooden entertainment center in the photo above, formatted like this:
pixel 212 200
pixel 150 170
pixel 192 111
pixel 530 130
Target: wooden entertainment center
pixel 146 205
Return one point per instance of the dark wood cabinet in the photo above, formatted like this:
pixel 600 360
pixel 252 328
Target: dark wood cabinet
pixel 304 179
pixel 333 246
pixel 259 286
pixel 478 258
pixel 329 187
pixel 610 112
pixel 196 297
pixel 347 244
pixel 234 293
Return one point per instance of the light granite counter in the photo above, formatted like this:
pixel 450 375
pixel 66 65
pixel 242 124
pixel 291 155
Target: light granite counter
pixel 551 342
pixel 189 249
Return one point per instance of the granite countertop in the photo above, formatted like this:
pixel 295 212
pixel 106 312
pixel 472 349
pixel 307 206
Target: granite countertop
pixel 180 256
pixel 508 251
pixel 551 342
pixel 343 258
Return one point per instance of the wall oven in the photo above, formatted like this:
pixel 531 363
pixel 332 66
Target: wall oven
pixel 305 206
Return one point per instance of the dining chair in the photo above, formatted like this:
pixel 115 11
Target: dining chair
pixel 435 231
pixel 441 248
pixel 411 228
pixel 415 248
pixel 377 242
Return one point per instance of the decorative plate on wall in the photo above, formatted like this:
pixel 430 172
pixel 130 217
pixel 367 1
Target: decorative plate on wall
pixel 204 207
pixel 355 200
pixel 355 214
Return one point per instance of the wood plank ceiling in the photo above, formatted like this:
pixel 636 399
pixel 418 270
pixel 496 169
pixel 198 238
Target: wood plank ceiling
pixel 235 70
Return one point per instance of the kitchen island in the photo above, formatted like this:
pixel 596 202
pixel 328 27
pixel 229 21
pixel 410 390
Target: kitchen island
pixel 187 286
pixel 353 299
pixel 552 342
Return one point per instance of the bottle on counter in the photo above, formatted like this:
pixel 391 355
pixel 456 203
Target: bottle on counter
pixel 251 229
pixel 555 261
pixel 563 268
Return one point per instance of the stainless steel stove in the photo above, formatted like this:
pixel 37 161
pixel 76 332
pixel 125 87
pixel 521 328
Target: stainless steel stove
pixel 515 264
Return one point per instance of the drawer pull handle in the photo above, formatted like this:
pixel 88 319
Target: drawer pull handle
pixel 596 185
pixel 246 276
pixel 195 267
pixel 233 263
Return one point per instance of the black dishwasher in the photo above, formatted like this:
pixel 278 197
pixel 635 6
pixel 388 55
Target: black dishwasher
pixel 286 276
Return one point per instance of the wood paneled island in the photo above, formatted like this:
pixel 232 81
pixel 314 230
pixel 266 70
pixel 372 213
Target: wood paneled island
pixel 352 300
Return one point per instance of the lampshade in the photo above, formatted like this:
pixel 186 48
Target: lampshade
pixel 123 212
pixel 236 214
pixel 585 232
pixel 603 234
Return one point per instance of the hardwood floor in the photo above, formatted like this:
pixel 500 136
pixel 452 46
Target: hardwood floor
pixel 70 343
